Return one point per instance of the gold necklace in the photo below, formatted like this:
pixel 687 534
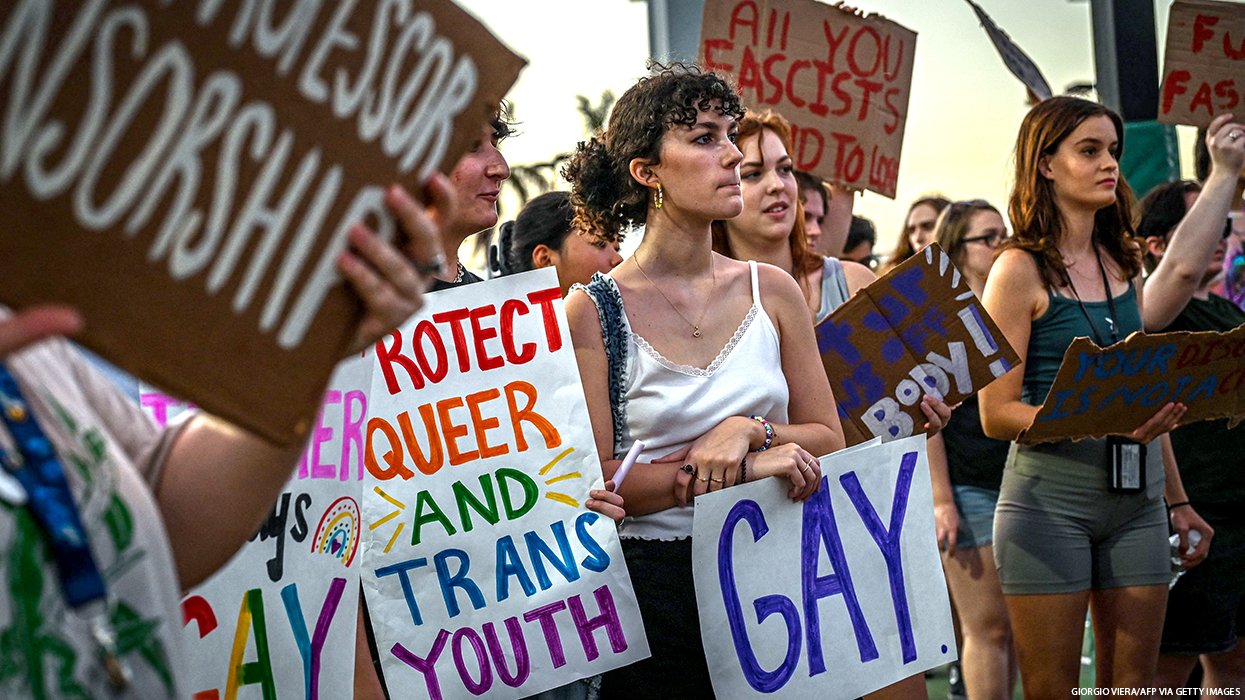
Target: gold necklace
pixel 695 326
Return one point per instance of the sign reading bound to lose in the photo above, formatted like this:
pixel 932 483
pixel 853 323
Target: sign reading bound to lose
pixel 834 597
pixel 278 621
pixel 192 169
pixel 1204 64
pixel 1116 389
pixel 484 572
pixel 842 80
pixel 918 330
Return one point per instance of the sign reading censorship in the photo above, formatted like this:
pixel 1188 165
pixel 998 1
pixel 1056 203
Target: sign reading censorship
pixel 842 80
pixel 918 330
pixel 1204 66
pixel 191 169
pixel 1117 389
pixel 485 573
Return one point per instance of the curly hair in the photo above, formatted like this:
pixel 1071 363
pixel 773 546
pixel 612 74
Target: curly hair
pixel 607 199
pixel 751 126
pixel 1032 207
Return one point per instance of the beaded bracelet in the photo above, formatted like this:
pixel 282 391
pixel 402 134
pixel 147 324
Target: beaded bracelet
pixel 769 434
pixel 743 471
pixel 1174 506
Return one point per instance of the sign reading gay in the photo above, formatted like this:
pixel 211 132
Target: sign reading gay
pixel 918 330
pixel 834 597
pixel 1204 64
pixel 193 167
pixel 1116 389
pixel 279 620
pixel 842 79
pixel 484 572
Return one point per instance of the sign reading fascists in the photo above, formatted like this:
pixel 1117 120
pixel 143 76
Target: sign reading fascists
pixel 192 168
pixel 842 79
pixel 918 330
pixel 1204 66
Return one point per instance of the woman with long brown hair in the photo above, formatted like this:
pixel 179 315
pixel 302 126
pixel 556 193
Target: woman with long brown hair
pixel 918 229
pixel 1067 535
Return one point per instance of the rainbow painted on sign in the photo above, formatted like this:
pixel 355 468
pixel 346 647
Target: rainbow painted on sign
pixel 337 535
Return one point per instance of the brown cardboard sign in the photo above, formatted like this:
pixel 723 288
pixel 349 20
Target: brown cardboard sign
pixel 185 174
pixel 1204 66
pixel 1117 389
pixel 843 80
pixel 918 330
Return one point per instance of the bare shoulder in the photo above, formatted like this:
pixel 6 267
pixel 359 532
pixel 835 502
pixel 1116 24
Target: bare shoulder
pixel 778 285
pixel 1016 266
pixel 858 276
pixel 582 318
pixel 1016 282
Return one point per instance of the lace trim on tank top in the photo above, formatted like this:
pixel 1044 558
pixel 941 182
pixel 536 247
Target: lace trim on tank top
pixel 690 370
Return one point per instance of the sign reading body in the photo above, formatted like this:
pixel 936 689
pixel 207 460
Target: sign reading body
pixel 799 587
pixel 280 617
pixel 192 169
pixel 918 330
pixel 843 80
pixel 1204 64
pixel 1117 389
pixel 483 570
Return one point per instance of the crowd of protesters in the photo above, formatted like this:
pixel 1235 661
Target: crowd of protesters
pixel 701 344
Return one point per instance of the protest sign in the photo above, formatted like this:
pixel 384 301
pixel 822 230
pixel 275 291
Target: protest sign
pixel 918 330
pixel 1204 63
pixel 1115 390
pixel 484 572
pixel 842 79
pixel 280 616
pixel 192 169
pixel 834 597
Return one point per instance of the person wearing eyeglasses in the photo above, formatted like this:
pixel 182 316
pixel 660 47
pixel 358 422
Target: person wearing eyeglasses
pixel 1077 526
pixel 1186 229
pixel 966 470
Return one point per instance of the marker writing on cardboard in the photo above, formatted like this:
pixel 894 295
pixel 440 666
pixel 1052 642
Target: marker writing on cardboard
pixel 629 461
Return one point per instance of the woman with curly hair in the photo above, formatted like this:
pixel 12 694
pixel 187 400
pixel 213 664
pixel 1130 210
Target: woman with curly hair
pixel 1068 535
pixel 712 363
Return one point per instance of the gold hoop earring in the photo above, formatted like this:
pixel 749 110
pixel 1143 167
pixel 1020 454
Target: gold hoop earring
pixel 658 197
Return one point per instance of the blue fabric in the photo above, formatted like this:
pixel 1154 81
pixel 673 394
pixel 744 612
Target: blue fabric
pixel 608 301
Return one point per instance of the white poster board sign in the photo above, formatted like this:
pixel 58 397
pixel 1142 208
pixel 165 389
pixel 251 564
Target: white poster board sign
pixel 278 621
pixel 831 598
pixel 485 573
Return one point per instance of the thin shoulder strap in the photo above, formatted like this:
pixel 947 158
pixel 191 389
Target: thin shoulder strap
pixel 756 286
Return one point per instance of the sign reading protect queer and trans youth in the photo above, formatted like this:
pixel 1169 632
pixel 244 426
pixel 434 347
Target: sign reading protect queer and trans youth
pixel 1204 65
pixel 484 572
pixel 1119 388
pixel 842 79
pixel 279 620
pixel 830 598
pixel 918 330
pixel 192 168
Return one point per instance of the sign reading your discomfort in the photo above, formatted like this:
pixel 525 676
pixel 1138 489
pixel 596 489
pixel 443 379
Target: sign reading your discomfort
pixel 193 167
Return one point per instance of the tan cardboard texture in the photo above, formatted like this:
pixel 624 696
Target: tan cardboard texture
pixel 185 174
pixel 1117 389
pixel 1204 65
pixel 842 79
pixel 918 330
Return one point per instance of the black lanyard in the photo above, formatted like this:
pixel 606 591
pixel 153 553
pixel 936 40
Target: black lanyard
pixel 37 468
pixel 1114 320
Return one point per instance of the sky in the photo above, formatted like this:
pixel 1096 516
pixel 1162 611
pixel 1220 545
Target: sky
pixel 964 109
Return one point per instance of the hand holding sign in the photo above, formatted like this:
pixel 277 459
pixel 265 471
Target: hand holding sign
pixel 36 323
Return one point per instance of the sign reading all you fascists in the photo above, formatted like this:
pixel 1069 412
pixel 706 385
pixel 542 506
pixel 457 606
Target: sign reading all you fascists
pixel 842 79
pixel 484 572
pixel 1204 65
pixel 918 330
pixel 1119 388
pixel 192 168
pixel 791 595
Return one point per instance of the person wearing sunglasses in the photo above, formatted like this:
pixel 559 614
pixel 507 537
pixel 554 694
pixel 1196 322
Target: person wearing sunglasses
pixel 1185 227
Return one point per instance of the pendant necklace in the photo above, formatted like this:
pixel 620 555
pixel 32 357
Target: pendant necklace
pixel 695 326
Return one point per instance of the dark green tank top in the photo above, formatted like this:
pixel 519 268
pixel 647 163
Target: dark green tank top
pixel 1054 330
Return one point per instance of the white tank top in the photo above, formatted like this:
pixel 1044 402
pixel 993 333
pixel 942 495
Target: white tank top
pixel 669 405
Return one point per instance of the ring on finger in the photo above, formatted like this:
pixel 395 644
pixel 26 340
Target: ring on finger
pixel 688 469
pixel 703 478
pixel 1234 135
pixel 431 267
pixel 716 480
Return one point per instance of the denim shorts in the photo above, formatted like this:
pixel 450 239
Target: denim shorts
pixel 1206 609
pixel 976 508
